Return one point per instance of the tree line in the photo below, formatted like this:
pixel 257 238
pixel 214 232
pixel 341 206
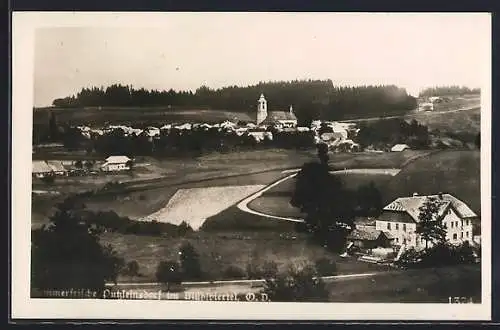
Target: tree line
pixel 448 90
pixel 311 99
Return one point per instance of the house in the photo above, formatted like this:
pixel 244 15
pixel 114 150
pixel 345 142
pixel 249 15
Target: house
pixel 57 167
pixel 399 147
pixel 281 118
pixel 367 237
pixel 400 218
pixel 116 163
pixel 41 169
pixel 426 106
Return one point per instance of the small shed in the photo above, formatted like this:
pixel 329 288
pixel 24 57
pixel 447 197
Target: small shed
pixel 370 238
pixel 400 147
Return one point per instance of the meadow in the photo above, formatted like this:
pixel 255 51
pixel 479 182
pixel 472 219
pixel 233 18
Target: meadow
pixel 433 285
pixel 221 253
pixel 456 172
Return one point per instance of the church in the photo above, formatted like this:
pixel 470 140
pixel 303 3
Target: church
pixel 280 118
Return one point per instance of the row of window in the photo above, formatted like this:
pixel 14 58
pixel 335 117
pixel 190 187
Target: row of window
pixel 456 223
pixel 397 226
pixel 453 223
pixel 455 237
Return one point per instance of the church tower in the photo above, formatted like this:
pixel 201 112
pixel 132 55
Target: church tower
pixel 261 109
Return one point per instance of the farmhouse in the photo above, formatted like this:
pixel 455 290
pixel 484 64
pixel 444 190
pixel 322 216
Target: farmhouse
pixel 399 147
pixel 366 237
pixel 280 118
pixel 41 169
pixel 400 219
pixel 116 163
pixel 57 167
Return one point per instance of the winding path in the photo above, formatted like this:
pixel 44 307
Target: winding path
pixel 243 205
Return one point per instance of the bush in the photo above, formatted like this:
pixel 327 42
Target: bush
pixel 269 269
pixel 326 267
pixel 169 273
pixel 234 272
pixel 296 285
pixel 189 262
pixel 254 272
pixel 184 228
pixel 132 268
pixel 49 179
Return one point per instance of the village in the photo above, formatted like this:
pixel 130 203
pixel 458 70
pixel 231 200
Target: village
pixel 381 240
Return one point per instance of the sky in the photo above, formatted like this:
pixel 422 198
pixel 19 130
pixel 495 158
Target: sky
pixel 188 50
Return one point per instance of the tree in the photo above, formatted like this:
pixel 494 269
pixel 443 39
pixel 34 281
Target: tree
pixel 79 164
pixel 89 165
pixel 323 153
pixel 132 268
pixel 326 267
pixel 169 273
pixel 369 200
pixel 327 204
pixel 430 227
pixel 297 285
pixel 53 128
pixel 189 262
pixel 67 253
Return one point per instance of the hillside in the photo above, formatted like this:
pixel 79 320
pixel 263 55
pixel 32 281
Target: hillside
pixel 134 115
pixel 454 172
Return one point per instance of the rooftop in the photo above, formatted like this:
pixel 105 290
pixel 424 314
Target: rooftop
pixel 411 206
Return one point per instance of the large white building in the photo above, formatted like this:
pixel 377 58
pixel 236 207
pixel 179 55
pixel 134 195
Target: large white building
pixel 400 219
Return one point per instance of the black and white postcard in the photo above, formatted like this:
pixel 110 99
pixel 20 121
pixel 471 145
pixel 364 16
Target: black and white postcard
pixel 241 165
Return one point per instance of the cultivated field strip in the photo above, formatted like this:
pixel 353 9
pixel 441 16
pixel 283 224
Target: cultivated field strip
pixel 195 205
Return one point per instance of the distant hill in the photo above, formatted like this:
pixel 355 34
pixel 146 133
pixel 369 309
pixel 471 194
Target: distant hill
pixel 135 115
pixel 454 172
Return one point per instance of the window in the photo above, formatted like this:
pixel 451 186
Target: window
pixel 462 235
pixel 397 226
pixel 404 226
pixel 466 234
pixel 397 240
pixel 451 224
pixel 455 236
pixel 389 226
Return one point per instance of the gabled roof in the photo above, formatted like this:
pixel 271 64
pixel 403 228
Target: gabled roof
pixel 411 206
pixel 56 166
pixel 399 147
pixel 274 116
pixel 40 166
pixel 117 159
pixel 367 234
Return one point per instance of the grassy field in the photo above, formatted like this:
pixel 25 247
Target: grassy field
pixel 458 121
pixel 219 251
pixel 134 115
pixel 141 197
pixel 276 201
pixel 454 172
pixel 194 205
pixel 434 285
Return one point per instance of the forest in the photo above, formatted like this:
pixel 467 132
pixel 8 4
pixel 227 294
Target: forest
pixel 448 91
pixel 311 99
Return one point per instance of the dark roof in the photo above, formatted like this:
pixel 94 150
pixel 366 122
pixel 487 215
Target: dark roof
pixel 367 234
pixel 395 216
pixel 274 116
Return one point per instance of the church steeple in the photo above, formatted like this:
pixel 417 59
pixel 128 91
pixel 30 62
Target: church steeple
pixel 261 109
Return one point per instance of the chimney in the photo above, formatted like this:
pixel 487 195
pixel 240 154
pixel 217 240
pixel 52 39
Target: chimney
pixel 415 194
